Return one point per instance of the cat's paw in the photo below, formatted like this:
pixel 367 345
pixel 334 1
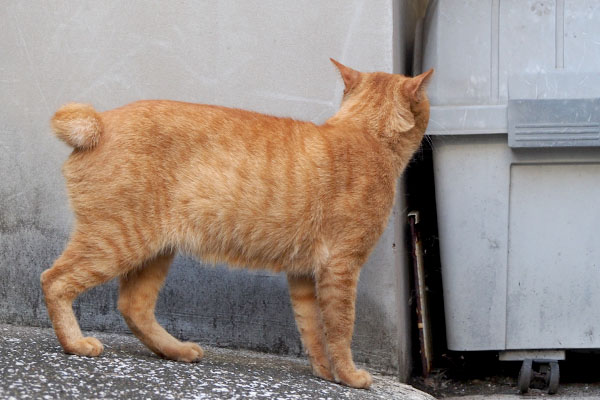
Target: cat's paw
pixel 87 346
pixel 358 378
pixel 322 372
pixel 186 352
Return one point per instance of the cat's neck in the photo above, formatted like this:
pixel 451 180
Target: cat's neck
pixel 398 147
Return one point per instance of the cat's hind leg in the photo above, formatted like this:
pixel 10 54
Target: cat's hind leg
pixel 308 320
pixel 336 294
pixel 85 263
pixel 138 293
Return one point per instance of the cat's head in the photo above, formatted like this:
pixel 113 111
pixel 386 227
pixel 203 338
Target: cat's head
pixel 393 105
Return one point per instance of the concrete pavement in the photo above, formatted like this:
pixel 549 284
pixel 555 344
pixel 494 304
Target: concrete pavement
pixel 33 366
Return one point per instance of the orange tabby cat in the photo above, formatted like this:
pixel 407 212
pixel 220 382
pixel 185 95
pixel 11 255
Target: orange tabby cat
pixel 154 177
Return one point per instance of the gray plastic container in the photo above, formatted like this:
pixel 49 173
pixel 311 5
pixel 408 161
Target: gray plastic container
pixel 515 122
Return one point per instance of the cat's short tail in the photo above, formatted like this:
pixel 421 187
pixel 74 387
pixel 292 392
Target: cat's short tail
pixel 78 125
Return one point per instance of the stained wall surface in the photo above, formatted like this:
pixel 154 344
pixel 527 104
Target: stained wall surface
pixel 267 56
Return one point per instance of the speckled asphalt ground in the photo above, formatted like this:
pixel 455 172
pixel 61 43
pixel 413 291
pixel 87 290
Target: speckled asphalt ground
pixel 33 366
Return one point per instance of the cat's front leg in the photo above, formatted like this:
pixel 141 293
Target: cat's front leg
pixel 336 295
pixel 308 320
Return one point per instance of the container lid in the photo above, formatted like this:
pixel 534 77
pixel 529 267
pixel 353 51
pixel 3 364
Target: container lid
pixel 489 52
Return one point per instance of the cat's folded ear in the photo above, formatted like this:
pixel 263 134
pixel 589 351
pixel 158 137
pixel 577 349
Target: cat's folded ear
pixel 415 87
pixel 351 77
pixel 404 122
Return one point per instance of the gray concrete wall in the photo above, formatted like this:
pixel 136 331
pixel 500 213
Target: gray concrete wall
pixel 269 56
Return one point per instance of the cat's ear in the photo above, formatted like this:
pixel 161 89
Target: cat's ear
pixel 404 123
pixel 415 87
pixel 350 76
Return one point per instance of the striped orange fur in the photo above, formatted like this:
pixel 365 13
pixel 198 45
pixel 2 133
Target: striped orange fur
pixel 227 185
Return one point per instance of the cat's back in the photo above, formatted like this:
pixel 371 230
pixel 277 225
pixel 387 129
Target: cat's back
pixel 161 132
pixel 180 146
pixel 155 119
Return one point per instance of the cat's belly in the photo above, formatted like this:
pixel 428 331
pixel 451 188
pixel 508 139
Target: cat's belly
pixel 265 243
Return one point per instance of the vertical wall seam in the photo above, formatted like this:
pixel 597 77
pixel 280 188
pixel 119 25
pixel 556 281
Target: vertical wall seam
pixel 560 34
pixel 495 51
